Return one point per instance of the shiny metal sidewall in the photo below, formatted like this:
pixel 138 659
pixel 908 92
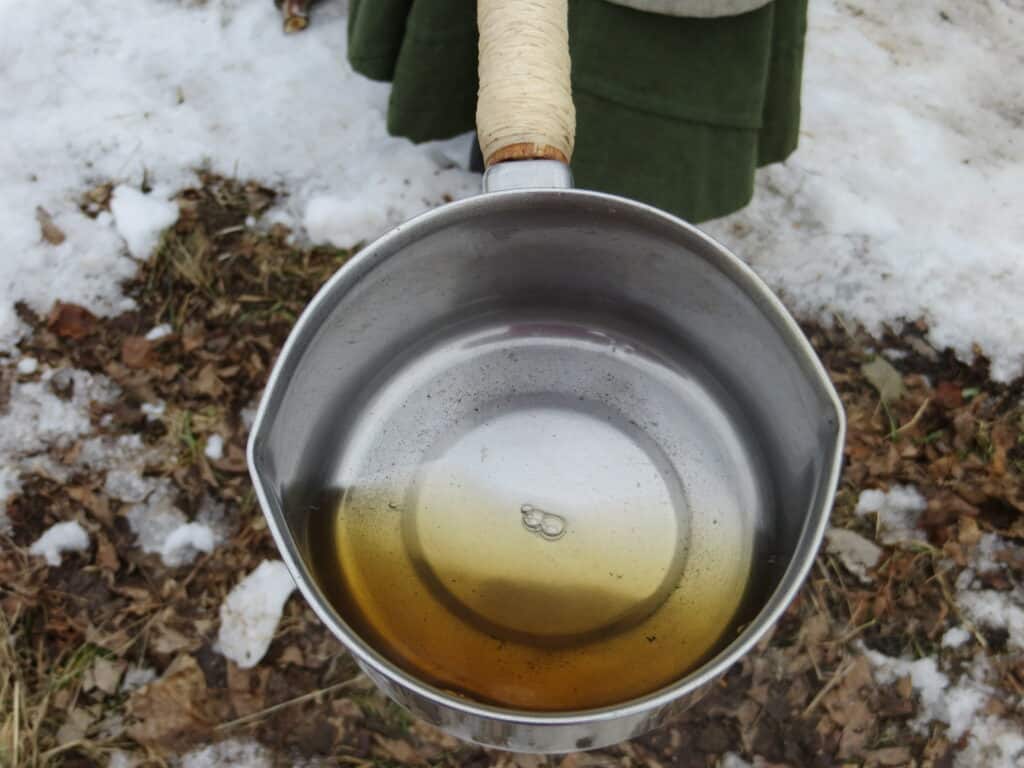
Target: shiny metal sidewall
pixel 639 255
pixel 532 737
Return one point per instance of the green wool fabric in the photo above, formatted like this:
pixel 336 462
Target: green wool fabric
pixel 675 112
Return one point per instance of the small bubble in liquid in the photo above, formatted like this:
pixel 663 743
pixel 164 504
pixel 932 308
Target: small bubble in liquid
pixel 552 526
pixel 532 517
pixel 544 524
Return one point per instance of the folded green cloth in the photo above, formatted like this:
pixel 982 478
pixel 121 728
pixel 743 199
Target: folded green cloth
pixel 675 112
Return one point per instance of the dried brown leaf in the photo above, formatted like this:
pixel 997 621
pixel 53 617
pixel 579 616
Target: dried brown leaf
pixel 193 336
pixel 968 532
pixel 173 709
pixel 233 461
pixel 111 641
pixel 71 321
pixel 884 378
pixel 859 723
pixel 292 655
pixel 105 674
pixel 591 760
pixel 944 508
pixel 399 750
pixel 207 382
pixel 98 505
pixel 76 724
pixel 948 395
pixel 426 732
pixel 106 554
pixel 167 640
pixel 137 352
pixel 247 688
pixel 965 424
pixel 889 756
pixel 51 233
pixel 100 194
pixel 1004 437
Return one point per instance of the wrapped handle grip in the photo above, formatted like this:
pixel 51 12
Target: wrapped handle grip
pixel 524 106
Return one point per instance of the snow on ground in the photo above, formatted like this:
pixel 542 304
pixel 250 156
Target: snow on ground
pixel 1003 610
pixel 996 610
pixel 896 513
pixel 146 92
pixel 214 448
pixel 159 332
pixel 136 677
pixel 904 197
pixel 159 526
pixel 251 611
pixel 242 754
pixel 8 487
pixel 954 637
pixel 53 411
pixel 732 760
pixel 991 741
pixel 959 699
pixel 27 366
pixel 60 538
pixel 120 759
pixel 153 410
pixel 994 742
pixel 140 218
pixel 903 200
pixel 37 417
pixel 185 542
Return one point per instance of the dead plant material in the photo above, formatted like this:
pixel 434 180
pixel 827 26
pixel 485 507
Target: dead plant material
pixel 51 233
pixel 80 634
pixel 71 321
pixel 175 710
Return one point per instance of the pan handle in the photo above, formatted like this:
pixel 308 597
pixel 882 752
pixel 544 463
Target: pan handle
pixel 524 105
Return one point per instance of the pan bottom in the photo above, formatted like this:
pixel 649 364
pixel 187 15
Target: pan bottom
pixel 545 513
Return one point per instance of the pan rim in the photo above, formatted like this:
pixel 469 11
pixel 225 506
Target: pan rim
pixel 731 266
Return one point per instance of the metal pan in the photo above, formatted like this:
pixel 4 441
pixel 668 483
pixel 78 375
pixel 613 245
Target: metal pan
pixel 622 392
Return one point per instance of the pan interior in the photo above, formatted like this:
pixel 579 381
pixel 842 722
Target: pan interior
pixel 543 510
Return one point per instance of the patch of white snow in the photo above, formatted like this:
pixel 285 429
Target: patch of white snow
pixel 153 411
pixel 903 199
pixel 144 93
pixel 59 538
pixel 214 449
pixel 954 637
pixel 136 677
pixel 251 611
pixel 959 705
pixel 184 542
pixel 159 331
pixel 996 610
pixel 897 513
pixel 140 218
pixel 228 754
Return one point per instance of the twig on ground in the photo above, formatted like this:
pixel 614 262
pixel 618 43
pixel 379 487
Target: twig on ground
pixel 297 700
pixel 916 417
pixel 832 683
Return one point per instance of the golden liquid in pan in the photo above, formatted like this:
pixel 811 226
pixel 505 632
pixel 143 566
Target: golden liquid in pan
pixel 519 605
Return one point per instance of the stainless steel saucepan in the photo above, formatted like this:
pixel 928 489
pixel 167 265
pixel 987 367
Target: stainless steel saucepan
pixel 577 351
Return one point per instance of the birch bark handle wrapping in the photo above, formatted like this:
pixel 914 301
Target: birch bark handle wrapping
pixel 524 106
